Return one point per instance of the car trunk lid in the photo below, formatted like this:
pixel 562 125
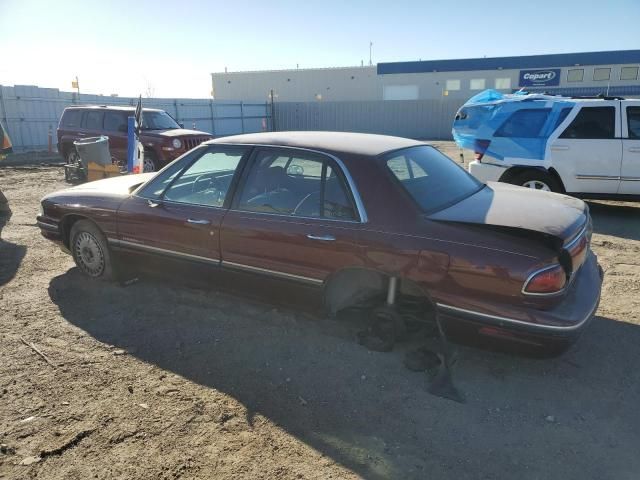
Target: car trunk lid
pixel 509 206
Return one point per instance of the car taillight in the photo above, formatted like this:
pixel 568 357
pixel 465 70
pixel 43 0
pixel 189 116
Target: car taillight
pixel 547 280
pixel 479 148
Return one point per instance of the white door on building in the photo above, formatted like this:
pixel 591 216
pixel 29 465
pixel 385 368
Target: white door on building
pixel 630 171
pixel 587 153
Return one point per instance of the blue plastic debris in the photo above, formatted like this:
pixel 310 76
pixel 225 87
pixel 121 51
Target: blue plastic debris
pixel 509 125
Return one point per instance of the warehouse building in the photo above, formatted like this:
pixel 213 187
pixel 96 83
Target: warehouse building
pixel 588 73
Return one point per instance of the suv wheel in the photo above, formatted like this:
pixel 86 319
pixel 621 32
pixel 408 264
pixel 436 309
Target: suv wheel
pixel 536 180
pixel 72 156
pixel 150 164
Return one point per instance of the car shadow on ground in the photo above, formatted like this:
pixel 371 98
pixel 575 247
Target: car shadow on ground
pixel 616 219
pixel 575 416
pixel 11 256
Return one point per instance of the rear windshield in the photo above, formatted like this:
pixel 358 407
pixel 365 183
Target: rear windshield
pixel 431 178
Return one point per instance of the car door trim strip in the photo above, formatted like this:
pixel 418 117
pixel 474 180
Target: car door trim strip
pixel 597 177
pixel 172 253
pixel 288 276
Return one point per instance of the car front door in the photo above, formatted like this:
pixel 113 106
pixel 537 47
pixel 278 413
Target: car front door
pixel 587 153
pixel 178 213
pixel 294 216
pixel 630 172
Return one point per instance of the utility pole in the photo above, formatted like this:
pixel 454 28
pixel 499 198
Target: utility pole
pixel 370 47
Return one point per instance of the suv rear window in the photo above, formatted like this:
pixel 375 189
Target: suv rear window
pixel 432 179
pixel 71 118
pixel 592 122
pixel 525 123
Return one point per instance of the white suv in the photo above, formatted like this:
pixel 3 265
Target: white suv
pixel 591 148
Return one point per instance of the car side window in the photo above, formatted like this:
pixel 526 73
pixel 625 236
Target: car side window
pixel 591 123
pixel 299 184
pixel 207 180
pixel 524 123
pixel 115 121
pixel 633 122
pixel 93 120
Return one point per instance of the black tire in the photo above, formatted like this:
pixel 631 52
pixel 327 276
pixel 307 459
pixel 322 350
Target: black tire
pixel 90 251
pixel 71 156
pixel 150 162
pixel 536 179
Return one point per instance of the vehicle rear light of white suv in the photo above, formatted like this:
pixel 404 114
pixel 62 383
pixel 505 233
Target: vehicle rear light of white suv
pixel 546 281
pixel 480 147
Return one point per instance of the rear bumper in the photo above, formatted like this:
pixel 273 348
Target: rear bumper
pixel 486 172
pixel 563 322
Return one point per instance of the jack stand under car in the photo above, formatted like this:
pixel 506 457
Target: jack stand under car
pixel 391 323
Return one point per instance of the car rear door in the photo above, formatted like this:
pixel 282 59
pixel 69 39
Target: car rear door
pixel 178 213
pixel 630 171
pixel 295 216
pixel 587 153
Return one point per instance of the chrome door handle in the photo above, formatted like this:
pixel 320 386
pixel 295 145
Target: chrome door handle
pixel 322 238
pixel 634 149
pixel 198 222
pixel 560 147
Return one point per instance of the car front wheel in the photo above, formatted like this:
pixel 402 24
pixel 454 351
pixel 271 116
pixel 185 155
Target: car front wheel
pixel 150 163
pixel 90 251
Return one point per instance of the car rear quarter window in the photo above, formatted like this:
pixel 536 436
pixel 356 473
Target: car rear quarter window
pixel 592 123
pixel 93 120
pixel 433 180
pixel 524 123
pixel 71 118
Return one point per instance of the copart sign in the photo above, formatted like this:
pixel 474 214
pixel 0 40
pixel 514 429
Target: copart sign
pixel 540 78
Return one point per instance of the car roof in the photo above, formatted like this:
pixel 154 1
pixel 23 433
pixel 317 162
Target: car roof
pixel 353 143
pixel 125 108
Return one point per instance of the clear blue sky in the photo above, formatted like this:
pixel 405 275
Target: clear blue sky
pixel 170 47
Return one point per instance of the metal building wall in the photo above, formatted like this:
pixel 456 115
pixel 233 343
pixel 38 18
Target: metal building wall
pixel 421 119
pixel 28 112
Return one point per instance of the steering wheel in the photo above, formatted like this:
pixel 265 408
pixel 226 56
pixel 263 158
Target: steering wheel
pixel 304 200
pixel 212 182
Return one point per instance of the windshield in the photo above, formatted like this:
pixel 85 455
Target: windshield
pixel 158 121
pixel 431 178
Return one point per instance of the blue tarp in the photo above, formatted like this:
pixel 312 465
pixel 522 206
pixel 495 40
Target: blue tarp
pixel 509 125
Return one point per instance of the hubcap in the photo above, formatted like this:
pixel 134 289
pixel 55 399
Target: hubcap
pixel 536 185
pixel 148 165
pixel 89 254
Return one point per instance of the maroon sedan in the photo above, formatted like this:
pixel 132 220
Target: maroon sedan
pixel 357 216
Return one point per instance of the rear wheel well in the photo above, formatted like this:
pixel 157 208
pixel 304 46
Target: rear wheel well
pixel 513 172
pixel 352 286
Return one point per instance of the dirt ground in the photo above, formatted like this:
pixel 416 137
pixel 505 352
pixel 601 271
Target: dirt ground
pixel 159 380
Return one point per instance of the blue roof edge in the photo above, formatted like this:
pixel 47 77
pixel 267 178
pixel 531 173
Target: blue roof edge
pixel 509 63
